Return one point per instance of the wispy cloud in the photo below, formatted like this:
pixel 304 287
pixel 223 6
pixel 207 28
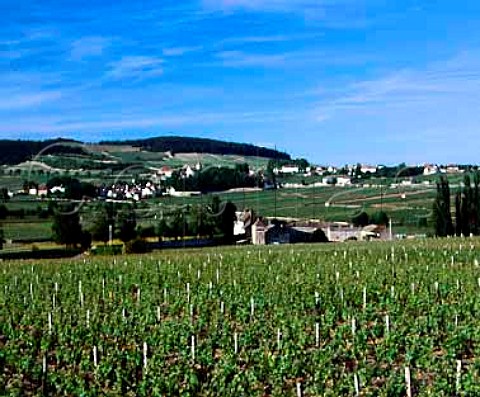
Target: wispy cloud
pixel 259 39
pixel 89 46
pixel 62 124
pixel 179 51
pixel 405 87
pixel 260 5
pixel 28 100
pixel 242 59
pixel 412 98
pixel 136 68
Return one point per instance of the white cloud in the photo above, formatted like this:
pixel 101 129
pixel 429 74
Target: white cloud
pixel 435 108
pixel 88 47
pixel 179 51
pixel 63 124
pixel 242 59
pixel 136 67
pixel 28 100
pixel 260 5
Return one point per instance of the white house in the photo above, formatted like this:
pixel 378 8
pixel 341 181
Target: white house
pixel 454 169
pixel 290 169
pixel 343 181
pixel 430 169
pixel 42 191
pixel 57 189
pixel 165 171
pixel 147 192
pixel 332 169
pixel 372 169
pixel 188 171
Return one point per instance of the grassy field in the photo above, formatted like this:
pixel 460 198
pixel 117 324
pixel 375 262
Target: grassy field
pixel 310 320
pixel 27 229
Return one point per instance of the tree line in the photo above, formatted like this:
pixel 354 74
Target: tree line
pixel 119 221
pixel 18 151
pixel 215 179
pixel 466 219
pixel 177 144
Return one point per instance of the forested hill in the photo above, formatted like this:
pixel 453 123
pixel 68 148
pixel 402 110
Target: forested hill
pixel 17 151
pixel 176 144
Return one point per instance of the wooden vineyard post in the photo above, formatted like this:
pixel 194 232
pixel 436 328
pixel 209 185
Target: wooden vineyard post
pixel 95 357
pixel 235 343
pixel 459 376
pixel 317 334
pixel 408 382
pixel 145 353
pixel 299 389
pixel 80 297
pixel 387 324
pixel 279 339
pixel 364 298
pixel 44 375
pixel 192 347
pixel 356 384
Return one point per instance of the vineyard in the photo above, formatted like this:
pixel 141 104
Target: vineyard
pixel 375 319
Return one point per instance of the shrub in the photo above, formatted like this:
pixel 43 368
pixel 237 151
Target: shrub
pixel 137 246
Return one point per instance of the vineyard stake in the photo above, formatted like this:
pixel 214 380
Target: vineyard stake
pixel 459 375
pixel 356 384
pixel 145 351
pixel 299 389
pixel 95 358
pixel 408 382
pixel 364 298
pixel 193 347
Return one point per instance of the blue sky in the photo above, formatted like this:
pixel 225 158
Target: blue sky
pixel 336 81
